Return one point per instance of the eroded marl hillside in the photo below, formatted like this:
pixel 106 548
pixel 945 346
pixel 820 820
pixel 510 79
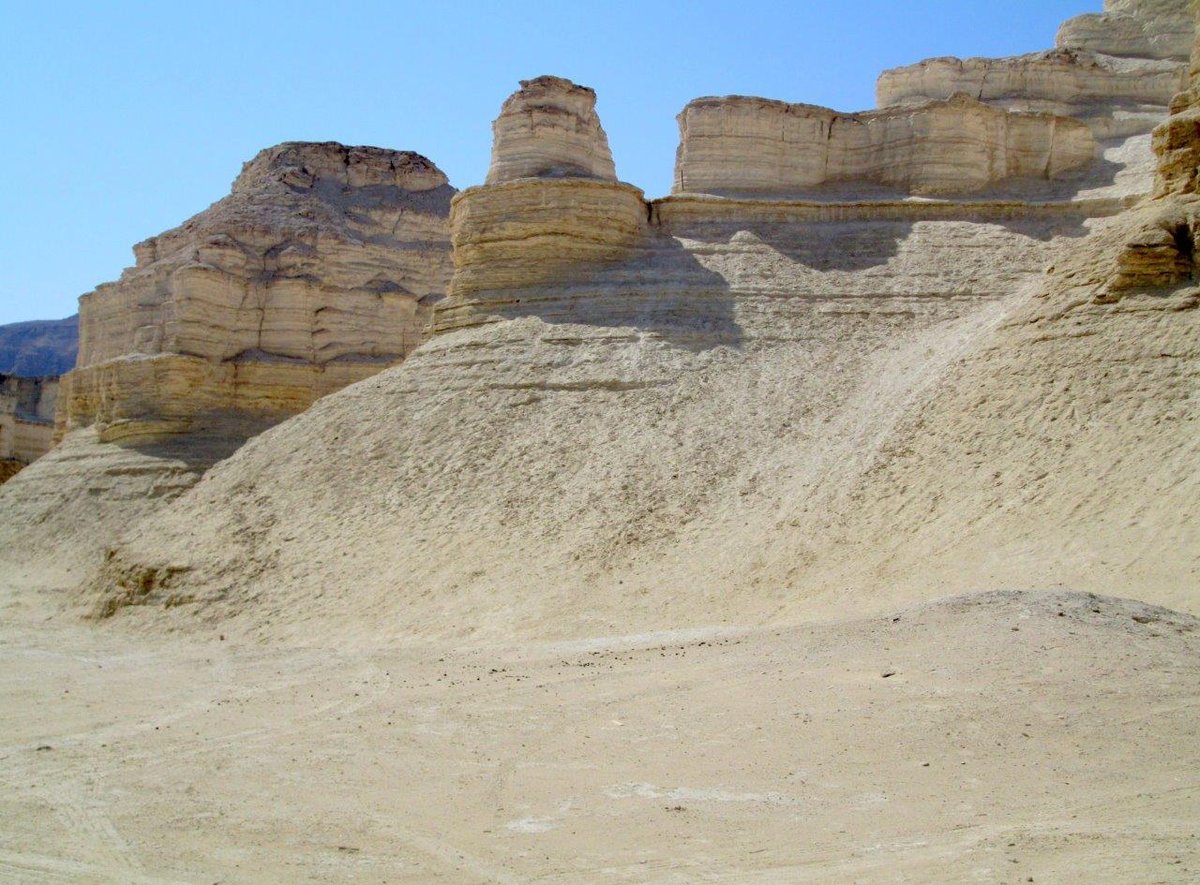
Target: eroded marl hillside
pixel 731 403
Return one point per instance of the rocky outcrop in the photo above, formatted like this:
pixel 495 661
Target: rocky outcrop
pixel 1158 29
pixel 1117 97
pixel 318 270
pixel 739 145
pixel 549 129
pixel 707 408
pixel 1177 141
pixel 40 348
pixel 551 212
pixel 1117 70
pixel 27 408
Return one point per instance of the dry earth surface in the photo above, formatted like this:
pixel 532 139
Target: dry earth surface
pixel 999 737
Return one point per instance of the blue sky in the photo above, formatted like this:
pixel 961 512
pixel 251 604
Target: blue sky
pixel 125 118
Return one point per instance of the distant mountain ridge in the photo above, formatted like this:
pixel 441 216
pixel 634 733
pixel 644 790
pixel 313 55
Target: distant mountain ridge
pixel 39 347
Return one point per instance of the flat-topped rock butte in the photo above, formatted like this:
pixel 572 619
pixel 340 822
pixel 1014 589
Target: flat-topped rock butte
pixel 544 529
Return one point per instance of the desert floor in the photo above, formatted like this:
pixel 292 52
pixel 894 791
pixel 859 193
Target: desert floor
pixel 999 737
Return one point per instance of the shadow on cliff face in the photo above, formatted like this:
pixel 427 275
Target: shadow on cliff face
pixel 859 245
pixel 212 438
pixel 661 289
pixel 361 204
pixel 1102 173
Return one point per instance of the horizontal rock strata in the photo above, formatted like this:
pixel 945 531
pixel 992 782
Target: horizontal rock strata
pixel 138 398
pixel 549 129
pixel 27 407
pixel 646 423
pixel 741 145
pixel 319 269
pixel 1116 97
pixel 1176 142
pixel 1158 29
pixel 533 232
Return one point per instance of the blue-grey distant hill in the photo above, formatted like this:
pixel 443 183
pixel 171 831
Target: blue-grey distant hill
pixel 39 347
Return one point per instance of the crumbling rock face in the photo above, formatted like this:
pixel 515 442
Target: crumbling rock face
pixel 532 232
pixel 740 145
pixel 1177 141
pixel 318 270
pixel 1117 97
pixel 549 129
pixel 1160 29
pixel 26 420
pixel 1161 252
pixel 552 210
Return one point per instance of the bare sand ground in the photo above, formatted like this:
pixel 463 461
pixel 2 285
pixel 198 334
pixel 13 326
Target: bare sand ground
pixel 996 737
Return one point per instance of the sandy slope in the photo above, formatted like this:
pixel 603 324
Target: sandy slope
pixel 1019 736
pixel 938 418
pixel 536 477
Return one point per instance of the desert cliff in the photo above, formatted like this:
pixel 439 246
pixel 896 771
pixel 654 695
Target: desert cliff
pixel 755 383
pixel 319 269
pixel 831 518
pixel 27 408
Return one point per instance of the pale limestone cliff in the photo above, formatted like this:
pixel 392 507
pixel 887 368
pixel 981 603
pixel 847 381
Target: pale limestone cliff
pixel 1117 97
pixel 318 270
pixel 552 211
pixel 1161 251
pixel 741 145
pixel 636 417
pixel 549 129
pixel 27 408
pixel 1177 141
pixel 532 232
pixel 1160 29
pixel 1117 70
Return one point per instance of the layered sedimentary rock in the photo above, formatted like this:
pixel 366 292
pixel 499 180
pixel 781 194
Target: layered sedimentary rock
pixel 1177 141
pixel 741 145
pixel 714 408
pixel 632 394
pixel 27 408
pixel 1117 70
pixel 1160 29
pixel 1161 252
pixel 552 210
pixel 549 129
pixel 1117 97
pixel 318 270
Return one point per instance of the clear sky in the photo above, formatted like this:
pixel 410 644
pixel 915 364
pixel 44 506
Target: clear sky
pixel 125 118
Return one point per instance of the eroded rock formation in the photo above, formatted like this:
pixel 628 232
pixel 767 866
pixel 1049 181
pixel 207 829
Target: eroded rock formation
pixel 1116 71
pixel 1160 29
pixel 26 420
pixel 713 408
pixel 1116 97
pixel 318 270
pixel 549 129
pixel 1177 140
pixel 1161 252
pixel 740 145
pixel 552 210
